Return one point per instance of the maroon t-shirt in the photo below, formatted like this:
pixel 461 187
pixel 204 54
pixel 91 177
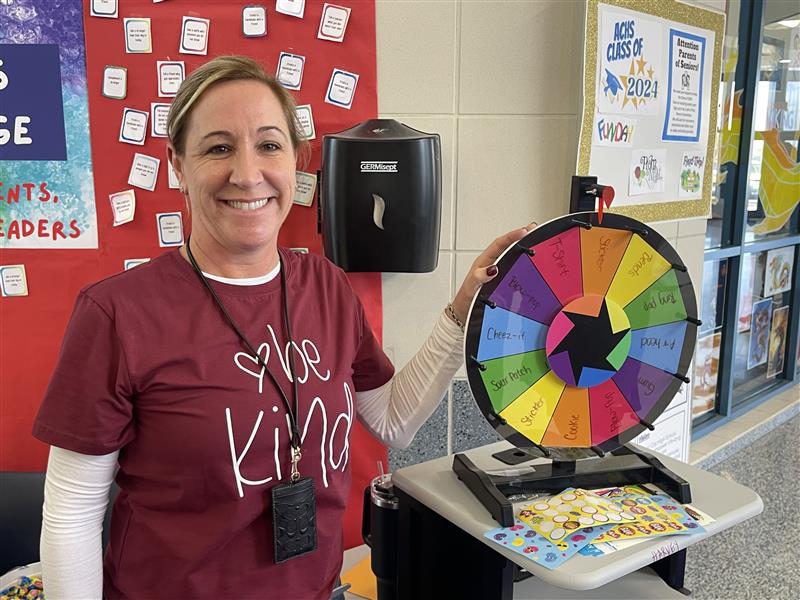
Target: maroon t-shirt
pixel 149 367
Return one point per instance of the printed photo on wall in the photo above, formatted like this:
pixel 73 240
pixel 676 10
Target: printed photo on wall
pixel 797 358
pixel 713 294
pixel 746 294
pixel 691 175
pixel 706 370
pixel 646 173
pixel 777 341
pixel 759 336
pixel 778 277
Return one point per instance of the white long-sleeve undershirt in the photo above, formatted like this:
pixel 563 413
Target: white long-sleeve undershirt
pixel 77 485
pixel 75 500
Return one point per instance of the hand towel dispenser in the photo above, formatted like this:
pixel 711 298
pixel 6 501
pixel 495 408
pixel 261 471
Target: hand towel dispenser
pixel 381 198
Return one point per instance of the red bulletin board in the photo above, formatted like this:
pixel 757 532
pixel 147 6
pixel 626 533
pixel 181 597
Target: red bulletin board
pixel 32 327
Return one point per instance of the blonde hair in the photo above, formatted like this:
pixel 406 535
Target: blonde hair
pixel 229 68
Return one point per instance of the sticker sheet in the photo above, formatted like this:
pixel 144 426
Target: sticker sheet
pixel 658 515
pixel 599 548
pixel 522 539
pixel 560 515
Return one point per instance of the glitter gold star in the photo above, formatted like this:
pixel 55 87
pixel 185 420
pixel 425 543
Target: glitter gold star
pixel 641 63
pixel 650 72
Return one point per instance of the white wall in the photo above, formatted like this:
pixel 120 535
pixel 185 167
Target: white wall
pixel 500 81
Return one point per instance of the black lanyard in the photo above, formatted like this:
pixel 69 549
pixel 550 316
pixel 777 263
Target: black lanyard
pixel 296 455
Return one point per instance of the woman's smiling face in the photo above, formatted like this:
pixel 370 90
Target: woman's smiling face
pixel 238 169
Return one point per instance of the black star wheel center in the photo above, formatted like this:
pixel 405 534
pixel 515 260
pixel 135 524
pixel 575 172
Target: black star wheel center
pixel 595 346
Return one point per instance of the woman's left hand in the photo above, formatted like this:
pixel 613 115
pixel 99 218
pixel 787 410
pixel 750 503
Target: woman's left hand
pixel 483 270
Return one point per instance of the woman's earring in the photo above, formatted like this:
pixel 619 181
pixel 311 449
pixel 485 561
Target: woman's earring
pixel 182 189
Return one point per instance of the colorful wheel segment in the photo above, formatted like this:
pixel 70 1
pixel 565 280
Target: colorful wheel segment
pixel 584 336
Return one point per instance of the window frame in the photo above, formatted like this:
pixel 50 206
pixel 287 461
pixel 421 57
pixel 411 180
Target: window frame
pixel 733 247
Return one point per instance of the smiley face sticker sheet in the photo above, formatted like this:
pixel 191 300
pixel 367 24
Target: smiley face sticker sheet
pixel 524 540
pixel 560 515
pixel 657 515
pixel 555 528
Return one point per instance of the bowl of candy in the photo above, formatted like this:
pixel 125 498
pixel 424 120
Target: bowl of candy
pixel 22 583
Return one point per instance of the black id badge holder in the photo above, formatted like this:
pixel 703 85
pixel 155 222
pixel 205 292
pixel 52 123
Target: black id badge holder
pixel 294 516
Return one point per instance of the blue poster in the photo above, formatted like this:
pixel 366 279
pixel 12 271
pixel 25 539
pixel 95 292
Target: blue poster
pixel 32 123
pixel 46 185
pixel 683 118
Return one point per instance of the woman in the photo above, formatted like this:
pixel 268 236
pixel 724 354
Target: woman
pixel 223 376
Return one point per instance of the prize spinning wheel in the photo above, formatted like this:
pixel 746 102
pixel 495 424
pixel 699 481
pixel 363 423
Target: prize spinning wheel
pixel 584 336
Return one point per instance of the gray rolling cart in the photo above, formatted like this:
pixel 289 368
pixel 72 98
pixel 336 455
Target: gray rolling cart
pixel 443 554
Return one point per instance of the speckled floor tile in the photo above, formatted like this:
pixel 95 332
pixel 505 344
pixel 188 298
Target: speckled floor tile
pixel 429 443
pixel 758 558
pixel 470 428
pixel 750 437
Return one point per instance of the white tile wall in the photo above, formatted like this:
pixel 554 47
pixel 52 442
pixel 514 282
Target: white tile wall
pixel 412 303
pixel 715 5
pixel 667 229
pixel 511 171
pixel 416 44
pixel 691 251
pixel 691 227
pixel 518 57
pixel 463 263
